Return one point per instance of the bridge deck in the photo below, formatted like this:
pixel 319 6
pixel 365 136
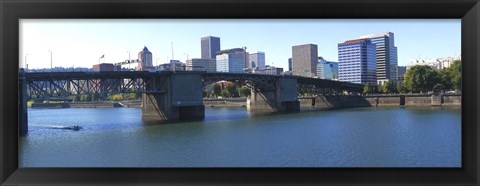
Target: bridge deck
pixel 83 81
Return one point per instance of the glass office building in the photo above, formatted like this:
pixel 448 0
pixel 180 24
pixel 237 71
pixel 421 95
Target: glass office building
pixel 327 69
pixel 257 60
pixel 357 61
pixel 386 56
pixel 231 60
pixel 210 46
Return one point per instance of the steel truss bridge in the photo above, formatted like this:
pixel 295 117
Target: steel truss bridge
pixel 64 84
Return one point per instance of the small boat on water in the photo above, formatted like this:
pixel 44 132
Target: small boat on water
pixel 74 128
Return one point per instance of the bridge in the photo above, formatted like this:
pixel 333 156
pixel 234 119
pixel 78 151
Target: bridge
pixel 169 95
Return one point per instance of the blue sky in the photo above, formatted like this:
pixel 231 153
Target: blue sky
pixel 80 43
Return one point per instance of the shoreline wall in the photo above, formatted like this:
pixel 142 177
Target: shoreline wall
pixel 317 102
pixel 380 100
pixel 234 102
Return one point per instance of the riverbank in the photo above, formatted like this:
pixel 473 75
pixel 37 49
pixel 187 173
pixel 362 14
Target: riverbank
pixel 306 102
pixel 97 104
pixel 381 100
pixel 232 102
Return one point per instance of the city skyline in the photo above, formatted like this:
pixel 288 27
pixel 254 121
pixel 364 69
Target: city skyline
pixel 81 43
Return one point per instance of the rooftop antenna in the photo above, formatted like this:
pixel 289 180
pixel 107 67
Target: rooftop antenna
pixel 172 51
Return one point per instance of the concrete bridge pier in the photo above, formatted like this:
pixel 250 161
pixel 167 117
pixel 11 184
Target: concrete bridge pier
pixel 174 97
pixel 22 104
pixel 282 99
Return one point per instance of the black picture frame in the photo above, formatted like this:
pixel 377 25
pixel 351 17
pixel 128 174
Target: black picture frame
pixel 13 10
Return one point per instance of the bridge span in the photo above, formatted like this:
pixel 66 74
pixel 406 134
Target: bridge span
pixel 169 95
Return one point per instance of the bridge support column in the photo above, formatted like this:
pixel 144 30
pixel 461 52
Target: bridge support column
pixel 175 97
pixel 22 105
pixel 283 98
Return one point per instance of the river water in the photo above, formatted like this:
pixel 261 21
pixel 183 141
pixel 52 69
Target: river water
pixel 233 137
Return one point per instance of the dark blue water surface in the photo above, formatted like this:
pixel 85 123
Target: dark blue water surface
pixel 233 137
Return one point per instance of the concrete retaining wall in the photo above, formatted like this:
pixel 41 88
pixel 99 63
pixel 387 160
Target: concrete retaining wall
pixel 389 101
pixel 94 105
pixel 224 102
pixel 131 104
pixel 373 101
pixel 418 100
pixel 308 102
pixel 452 100
pixel 341 102
pixel 50 105
pixel 381 100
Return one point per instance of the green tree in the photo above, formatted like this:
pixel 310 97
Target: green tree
pixel 216 90
pixel 444 79
pixel 96 96
pixel 232 90
pixel 401 88
pixel 387 87
pixel 244 92
pixel 85 97
pixel 367 89
pixel 456 75
pixel 420 78
pixel 438 87
pixel 225 94
pixel 204 92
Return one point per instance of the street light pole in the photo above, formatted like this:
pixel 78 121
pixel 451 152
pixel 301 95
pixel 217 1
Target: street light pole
pixel 26 64
pixel 128 60
pixel 245 57
pixel 51 61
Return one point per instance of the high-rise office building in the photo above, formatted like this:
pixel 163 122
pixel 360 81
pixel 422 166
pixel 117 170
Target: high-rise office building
pixel 304 60
pixel 210 46
pixel 401 70
pixel 145 59
pixel 257 60
pixel 231 60
pixel 357 61
pixel 327 69
pixel 387 61
pixel 197 64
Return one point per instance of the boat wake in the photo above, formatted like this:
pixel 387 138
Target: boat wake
pixel 74 128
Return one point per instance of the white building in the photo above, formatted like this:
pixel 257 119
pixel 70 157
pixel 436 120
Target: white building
pixel 257 60
pixel 438 63
pixel 327 69
pixel 231 60
pixel 269 70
